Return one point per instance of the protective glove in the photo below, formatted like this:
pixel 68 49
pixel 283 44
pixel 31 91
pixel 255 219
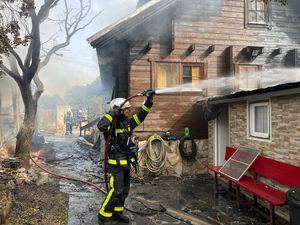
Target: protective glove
pixel 149 94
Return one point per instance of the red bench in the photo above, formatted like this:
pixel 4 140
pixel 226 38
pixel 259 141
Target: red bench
pixel 274 170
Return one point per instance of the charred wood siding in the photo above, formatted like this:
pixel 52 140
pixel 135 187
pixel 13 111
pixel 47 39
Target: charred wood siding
pixel 113 63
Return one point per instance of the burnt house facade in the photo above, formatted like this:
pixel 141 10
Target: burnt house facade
pixel 166 43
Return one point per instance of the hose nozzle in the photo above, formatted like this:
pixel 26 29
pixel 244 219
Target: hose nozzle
pixel 147 93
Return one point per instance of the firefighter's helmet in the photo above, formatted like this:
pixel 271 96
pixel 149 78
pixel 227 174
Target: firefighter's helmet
pixel 119 102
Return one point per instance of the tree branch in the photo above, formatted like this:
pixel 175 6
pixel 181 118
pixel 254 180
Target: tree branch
pixel 44 10
pixel 13 75
pixel 40 87
pixel 52 51
pixel 19 60
pixel 80 15
pixel 36 46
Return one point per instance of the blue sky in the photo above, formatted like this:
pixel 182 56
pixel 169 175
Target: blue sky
pixel 79 66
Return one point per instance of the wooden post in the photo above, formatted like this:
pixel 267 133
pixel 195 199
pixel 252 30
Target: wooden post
pixel 272 214
pixel 216 185
pixel 230 185
pixel 238 196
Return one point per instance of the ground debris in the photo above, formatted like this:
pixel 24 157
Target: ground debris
pixel 36 205
pixel 10 163
pixel 5 205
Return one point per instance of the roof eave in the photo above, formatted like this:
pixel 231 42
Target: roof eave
pixel 252 97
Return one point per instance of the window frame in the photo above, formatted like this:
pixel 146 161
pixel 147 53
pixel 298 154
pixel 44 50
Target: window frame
pixel 238 73
pixel 251 120
pixel 181 65
pixel 267 23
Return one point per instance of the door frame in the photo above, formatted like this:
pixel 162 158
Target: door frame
pixel 219 146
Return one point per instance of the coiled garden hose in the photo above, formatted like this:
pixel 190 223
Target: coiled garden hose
pixel 155 159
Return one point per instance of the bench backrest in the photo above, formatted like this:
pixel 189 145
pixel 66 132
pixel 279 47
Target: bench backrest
pixel 275 170
pixel 272 169
pixel 229 152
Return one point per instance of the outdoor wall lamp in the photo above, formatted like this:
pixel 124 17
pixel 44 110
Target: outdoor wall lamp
pixel 254 51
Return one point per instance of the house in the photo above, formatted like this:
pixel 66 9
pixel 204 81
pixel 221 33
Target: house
pixel 266 119
pixel 166 43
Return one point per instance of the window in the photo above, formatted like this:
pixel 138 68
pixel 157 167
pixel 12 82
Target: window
pixel 249 77
pixel 259 120
pixel 192 73
pixel 257 13
pixel 169 74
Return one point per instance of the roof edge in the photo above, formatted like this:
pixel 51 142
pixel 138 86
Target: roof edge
pixel 114 25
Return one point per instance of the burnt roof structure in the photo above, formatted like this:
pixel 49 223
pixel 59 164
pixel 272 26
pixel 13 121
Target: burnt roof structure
pixel 124 26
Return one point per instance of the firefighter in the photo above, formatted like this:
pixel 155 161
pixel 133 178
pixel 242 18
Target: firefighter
pixel 120 157
pixel 69 121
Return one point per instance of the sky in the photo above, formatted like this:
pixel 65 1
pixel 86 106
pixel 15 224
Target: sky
pixel 79 66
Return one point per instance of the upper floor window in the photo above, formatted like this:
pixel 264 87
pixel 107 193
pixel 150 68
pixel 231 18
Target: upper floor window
pixel 192 73
pixel 247 77
pixel 167 75
pixel 257 13
pixel 171 74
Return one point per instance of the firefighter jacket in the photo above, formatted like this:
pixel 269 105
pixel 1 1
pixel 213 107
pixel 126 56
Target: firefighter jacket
pixel 121 134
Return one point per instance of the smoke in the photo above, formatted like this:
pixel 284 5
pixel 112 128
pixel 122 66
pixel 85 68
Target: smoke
pixel 203 11
pixel 78 64
pixel 263 79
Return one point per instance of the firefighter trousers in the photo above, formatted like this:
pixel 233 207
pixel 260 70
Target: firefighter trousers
pixel 119 183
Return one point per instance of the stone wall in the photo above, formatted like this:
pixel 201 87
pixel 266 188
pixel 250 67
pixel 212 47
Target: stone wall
pixel 285 134
pixel 174 164
pixel 285 129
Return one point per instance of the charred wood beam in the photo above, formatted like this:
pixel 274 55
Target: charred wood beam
pixel 211 49
pixel 171 45
pixel 208 51
pixel 189 51
pixel 147 48
pixel 273 54
pixel 277 51
pixel 291 58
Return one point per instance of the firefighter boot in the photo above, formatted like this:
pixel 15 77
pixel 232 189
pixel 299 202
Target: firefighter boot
pixel 102 220
pixel 119 217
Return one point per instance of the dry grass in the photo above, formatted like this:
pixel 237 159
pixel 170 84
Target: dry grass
pixel 7 146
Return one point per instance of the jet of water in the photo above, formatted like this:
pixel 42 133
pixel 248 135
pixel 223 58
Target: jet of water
pixel 244 82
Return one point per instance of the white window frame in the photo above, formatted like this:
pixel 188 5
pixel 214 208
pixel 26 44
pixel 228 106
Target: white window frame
pixel 252 133
pixel 265 24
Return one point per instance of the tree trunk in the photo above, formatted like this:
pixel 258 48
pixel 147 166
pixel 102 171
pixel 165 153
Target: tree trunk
pixel 16 109
pixel 1 115
pixel 24 137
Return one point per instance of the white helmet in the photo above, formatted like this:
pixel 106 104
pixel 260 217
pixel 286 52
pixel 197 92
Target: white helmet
pixel 119 102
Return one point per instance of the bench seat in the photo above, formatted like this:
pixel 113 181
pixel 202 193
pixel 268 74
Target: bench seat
pixel 262 190
pixel 276 171
pixel 265 192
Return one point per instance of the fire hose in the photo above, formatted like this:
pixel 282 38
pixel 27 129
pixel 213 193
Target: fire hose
pixel 108 140
pixel 94 186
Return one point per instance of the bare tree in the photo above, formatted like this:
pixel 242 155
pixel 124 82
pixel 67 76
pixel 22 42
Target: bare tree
pixel 25 17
